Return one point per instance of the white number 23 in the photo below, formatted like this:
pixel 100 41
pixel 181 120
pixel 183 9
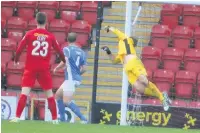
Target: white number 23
pixel 43 52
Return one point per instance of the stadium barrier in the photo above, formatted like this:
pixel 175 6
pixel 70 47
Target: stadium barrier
pixel 176 117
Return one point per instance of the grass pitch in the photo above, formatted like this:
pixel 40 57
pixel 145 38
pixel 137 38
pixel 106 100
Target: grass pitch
pixel 44 127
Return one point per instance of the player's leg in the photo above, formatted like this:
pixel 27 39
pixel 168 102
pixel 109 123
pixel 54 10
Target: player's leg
pixel 60 103
pixel 45 81
pixel 28 80
pixel 68 92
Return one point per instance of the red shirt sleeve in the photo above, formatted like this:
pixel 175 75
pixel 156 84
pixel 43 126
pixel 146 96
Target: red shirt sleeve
pixel 20 47
pixel 58 50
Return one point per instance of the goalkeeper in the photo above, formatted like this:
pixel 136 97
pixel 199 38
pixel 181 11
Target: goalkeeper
pixel 134 68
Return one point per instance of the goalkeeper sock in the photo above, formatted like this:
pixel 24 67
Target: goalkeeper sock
pixel 152 90
pixel 21 105
pixel 52 107
pixel 61 109
pixel 76 110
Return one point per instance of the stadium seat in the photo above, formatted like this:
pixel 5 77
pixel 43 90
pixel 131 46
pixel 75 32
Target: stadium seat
pixel 64 45
pixel 151 102
pixel 3 93
pixel 3 67
pixel 57 81
pixel 70 6
pixel 192 60
pixel 53 58
pixel 172 58
pixel 164 79
pixel 9 4
pixel 32 24
pixel 8 44
pixel 198 86
pixel 194 104
pixel 149 74
pixel 83 30
pixel 89 11
pixel 160 36
pixel 170 15
pixel 179 103
pixel 151 57
pixel 3 22
pixel 15 69
pixel 191 16
pixel 14 80
pixel 23 56
pixel 9 93
pixel 197 38
pixel 59 25
pixel 51 5
pixel 6 56
pixel 181 37
pixel 26 7
pixel 15 35
pixel 134 101
pixel 7 12
pixel 60 36
pixel 16 23
pixel 184 83
pixel 69 16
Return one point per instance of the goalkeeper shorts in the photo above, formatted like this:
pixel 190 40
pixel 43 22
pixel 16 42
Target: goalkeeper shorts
pixel 134 68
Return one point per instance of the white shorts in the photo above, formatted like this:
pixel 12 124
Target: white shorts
pixel 70 86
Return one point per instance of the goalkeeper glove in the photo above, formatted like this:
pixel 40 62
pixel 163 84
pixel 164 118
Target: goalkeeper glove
pixel 106 49
pixel 107 29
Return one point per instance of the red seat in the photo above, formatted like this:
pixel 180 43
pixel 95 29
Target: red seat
pixel 16 35
pixel 32 24
pixel 197 38
pixel 151 102
pixel 69 16
pixel 9 4
pixel 170 15
pixel 182 36
pixel 57 81
pixel 59 72
pixel 194 104
pixel 191 16
pixel 3 22
pixel 134 101
pixel 179 103
pixel 149 75
pixel 70 6
pixel 53 59
pixel 3 67
pixel 52 5
pixel 26 7
pixel 51 14
pixel 151 57
pixel 172 58
pixel 9 93
pixel 184 83
pixel 15 69
pixel 83 30
pixel 8 44
pixel 23 56
pixel 164 80
pixel 3 93
pixel 60 37
pixel 89 11
pixel 6 56
pixel 16 23
pixel 192 60
pixel 59 25
pixel 64 45
pixel 160 36
pixel 7 12
pixel 198 86
pixel 14 80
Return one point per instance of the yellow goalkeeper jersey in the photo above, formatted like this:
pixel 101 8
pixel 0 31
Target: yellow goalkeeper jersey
pixel 125 46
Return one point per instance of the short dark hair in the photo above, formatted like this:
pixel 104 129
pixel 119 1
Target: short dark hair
pixel 71 37
pixel 41 18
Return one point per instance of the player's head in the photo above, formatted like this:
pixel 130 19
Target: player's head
pixel 71 37
pixel 41 19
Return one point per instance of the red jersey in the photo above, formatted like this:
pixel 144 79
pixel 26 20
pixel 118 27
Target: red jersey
pixel 38 43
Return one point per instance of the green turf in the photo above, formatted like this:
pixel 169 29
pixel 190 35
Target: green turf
pixel 44 127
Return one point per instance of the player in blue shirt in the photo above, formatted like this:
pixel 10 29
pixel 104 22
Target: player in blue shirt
pixel 74 68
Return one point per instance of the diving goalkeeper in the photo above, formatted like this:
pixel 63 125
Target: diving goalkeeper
pixel 134 68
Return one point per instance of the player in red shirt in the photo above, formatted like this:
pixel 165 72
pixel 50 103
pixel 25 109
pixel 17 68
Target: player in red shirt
pixel 38 43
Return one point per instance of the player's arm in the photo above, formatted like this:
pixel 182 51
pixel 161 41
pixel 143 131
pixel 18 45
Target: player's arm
pixel 83 69
pixel 117 32
pixel 58 50
pixel 20 48
pixel 113 58
pixel 83 63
